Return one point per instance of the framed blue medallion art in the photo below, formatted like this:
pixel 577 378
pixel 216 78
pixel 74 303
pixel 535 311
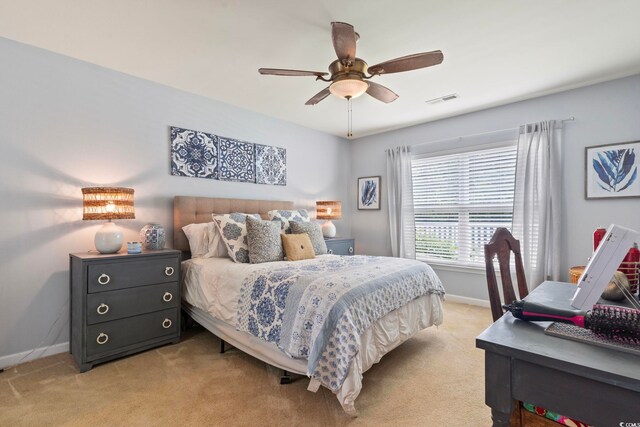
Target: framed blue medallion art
pixel 194 153
pixel 271 165
pixel 203 155
pixel 236 160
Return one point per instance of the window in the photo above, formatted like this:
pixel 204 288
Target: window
pixel 459 200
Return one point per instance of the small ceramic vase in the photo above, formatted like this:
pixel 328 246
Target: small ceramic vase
pixel 152 237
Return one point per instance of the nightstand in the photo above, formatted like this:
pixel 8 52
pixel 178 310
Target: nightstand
pixel 340 245
pixel 123 304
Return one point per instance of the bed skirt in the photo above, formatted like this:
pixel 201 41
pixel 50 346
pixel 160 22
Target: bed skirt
pixel 380 338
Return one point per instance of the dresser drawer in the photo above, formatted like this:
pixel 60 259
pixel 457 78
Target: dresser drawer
pixel 119 303
pixel 112 336
pixel 111 305
pixel 340 247
pixel 117 275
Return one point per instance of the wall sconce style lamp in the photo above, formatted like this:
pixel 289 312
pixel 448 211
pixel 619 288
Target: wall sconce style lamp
pixel 328 210
pixel 100 203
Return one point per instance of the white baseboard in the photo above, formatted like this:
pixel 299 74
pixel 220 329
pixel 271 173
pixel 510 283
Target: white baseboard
pixel 467 300
pixel 29 355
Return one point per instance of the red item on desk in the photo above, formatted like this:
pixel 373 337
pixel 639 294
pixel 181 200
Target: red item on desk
pixel 630 263
pixel 597 237
pixel 633 254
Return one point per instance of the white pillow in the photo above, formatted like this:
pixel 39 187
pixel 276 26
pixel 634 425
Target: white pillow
pixel 205 241
pixel 198 236
pixel 217 248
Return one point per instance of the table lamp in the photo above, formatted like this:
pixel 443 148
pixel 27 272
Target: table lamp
pixel 108 203
pixel 328 210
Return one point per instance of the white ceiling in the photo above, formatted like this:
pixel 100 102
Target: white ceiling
pixel 495 51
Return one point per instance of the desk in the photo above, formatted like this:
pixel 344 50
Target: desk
pixel 592 384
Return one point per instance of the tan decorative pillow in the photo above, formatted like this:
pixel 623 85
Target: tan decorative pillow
pixel 297 247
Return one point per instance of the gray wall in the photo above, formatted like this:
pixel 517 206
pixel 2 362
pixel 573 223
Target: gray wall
pixel 605 113
pixel 66 124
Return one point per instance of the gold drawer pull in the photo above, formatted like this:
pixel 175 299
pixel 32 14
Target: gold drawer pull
pixel 168 296
pixel 168 271
pixel 103 309
pixel 166 323
pixel 104 279
pixel 350 249
pixel 102 338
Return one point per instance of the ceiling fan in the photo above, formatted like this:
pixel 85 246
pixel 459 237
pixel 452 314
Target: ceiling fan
pixel 349 74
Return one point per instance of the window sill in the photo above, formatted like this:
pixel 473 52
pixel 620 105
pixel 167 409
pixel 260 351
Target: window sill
pixel 470 269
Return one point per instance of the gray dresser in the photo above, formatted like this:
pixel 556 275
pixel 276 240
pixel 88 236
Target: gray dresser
pixel 340 245
pixel 123 304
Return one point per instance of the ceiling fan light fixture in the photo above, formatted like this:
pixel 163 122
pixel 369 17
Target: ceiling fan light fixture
pixel 348 88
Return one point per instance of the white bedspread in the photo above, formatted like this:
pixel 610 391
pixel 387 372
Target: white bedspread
pixel 214 285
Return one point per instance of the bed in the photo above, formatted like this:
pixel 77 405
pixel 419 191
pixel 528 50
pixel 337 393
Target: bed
pixel 319 322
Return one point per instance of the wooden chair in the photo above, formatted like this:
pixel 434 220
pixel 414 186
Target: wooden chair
pixel 501 245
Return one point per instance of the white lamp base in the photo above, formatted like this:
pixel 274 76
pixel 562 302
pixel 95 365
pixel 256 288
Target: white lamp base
pixel 328 229
pixel 109 238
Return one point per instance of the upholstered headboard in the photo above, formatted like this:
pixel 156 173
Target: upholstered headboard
pixel 193 210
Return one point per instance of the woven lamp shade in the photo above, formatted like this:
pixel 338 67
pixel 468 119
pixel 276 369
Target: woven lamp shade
pixel 328 210
pixel 108 203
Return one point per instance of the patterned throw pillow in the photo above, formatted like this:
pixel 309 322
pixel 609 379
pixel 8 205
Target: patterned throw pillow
pixel 285 216
pixel 315 235
pixel 233 229
pixel 265 244
pixel 297 246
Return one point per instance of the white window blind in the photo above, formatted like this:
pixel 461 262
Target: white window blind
pixel 459 200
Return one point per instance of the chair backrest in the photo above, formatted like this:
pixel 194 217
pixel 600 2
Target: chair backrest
pixel 501 245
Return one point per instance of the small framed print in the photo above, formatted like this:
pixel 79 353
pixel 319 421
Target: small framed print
pixel 369 193
pixel 611 171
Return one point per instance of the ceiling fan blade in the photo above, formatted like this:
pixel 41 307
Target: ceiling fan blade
pixel 381 93
pixel 344 41
pixel 284 72
pixel 408 63
pixel 318 96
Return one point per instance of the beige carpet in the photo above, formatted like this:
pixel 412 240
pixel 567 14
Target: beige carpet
pixel 434 379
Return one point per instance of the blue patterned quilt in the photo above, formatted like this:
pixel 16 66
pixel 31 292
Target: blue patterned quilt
pixel 317 309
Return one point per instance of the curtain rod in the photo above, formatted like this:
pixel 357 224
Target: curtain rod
pixel 459 138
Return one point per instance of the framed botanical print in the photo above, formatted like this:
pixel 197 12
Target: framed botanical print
pixel 612 171
pixel 369 193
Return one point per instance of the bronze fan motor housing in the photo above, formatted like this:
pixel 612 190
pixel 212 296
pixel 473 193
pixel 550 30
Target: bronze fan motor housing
pixel 339 71
pixel 348 67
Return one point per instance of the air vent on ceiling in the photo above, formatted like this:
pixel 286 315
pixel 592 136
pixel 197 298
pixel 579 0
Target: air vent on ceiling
pixel 444 98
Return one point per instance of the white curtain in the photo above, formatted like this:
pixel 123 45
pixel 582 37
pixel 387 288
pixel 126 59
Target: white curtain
pixel 537 200
pixel 400 200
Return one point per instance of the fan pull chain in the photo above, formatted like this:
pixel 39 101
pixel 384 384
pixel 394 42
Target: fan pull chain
pixel 349 118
